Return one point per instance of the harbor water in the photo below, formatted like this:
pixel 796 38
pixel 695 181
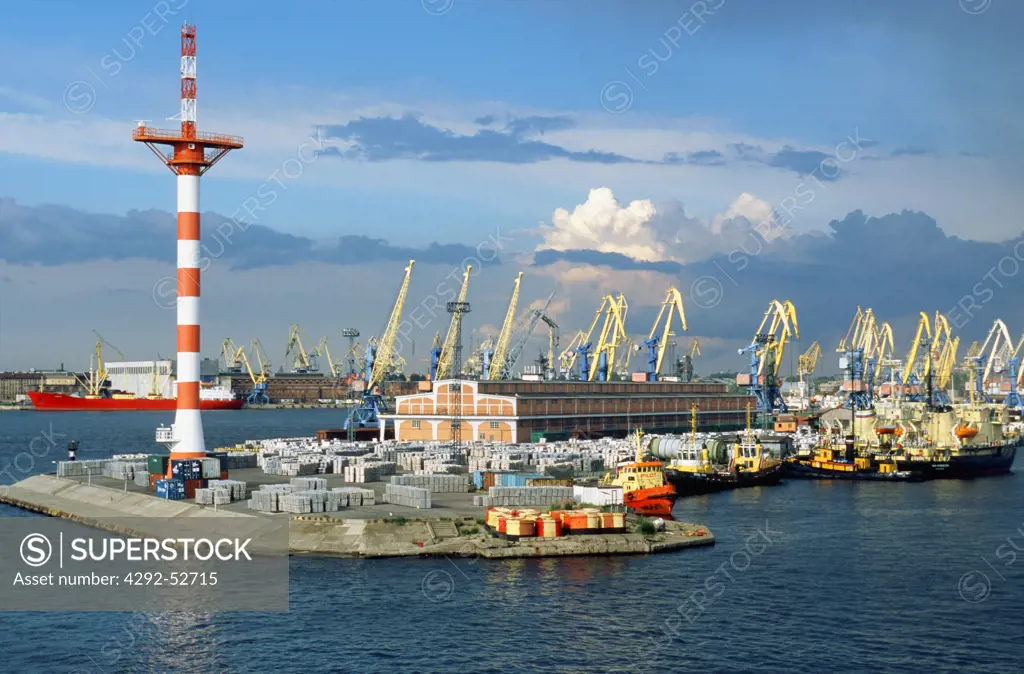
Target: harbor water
pixel 809 576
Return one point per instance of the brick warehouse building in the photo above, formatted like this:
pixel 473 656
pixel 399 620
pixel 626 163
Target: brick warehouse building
pixel 525 411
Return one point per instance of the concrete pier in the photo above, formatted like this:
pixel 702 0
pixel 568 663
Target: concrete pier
pixel 383 530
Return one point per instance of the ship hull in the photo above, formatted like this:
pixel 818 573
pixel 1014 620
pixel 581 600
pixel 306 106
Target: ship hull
pixel 60 402
pixel 656 502
pixel 984 462
pixel 698 484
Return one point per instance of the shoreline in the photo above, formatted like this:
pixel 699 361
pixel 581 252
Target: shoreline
pixel 327 536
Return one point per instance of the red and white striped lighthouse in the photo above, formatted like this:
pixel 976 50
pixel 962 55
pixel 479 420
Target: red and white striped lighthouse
pixel 192 154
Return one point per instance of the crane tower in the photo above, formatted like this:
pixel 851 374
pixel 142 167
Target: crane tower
pixel 191 154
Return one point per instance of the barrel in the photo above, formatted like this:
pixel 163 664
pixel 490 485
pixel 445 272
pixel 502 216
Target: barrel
pixel 545 527
pixel 575 522
pixel 527 527
pixel 594 520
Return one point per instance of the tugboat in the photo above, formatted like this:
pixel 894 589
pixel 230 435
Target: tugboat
pixel 832 463
pixel 644 488
pixel 693 473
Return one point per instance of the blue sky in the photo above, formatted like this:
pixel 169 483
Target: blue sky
pixel 443 120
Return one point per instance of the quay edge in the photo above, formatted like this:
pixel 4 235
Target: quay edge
pixel 101 507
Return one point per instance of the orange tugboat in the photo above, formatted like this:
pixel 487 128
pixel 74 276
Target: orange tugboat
pixel 644 488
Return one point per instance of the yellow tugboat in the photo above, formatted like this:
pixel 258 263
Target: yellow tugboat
pixel 693 473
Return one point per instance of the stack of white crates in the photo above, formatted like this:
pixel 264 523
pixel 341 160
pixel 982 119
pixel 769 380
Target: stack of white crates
pixel 122 470
pixel 411 497
pixel 309 483
pixel 355 497
pixel 81 468
pixel 265 500
pixel 236 489
pixel 523 496
pixel 436 484
pixel 295 503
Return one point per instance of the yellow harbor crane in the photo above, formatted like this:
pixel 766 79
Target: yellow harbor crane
pixel 686 368
pixel 473 364
pixel 552 344
pixel 807 362
pixel 613 335
pixel 622 366
pixel 945 363
pixel 446 360
pixel 924 331
pixel 853 333
pixel 496 369
pixel 357 356
pixel 671 306
pixel 766 350
pixel 258 395
pixel 610 339
pixel 567 359
pixel 302 360
pixel 337 369
pixel 386 357
pixel 230 360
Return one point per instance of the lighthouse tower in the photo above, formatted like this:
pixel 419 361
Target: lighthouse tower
pixel 190 155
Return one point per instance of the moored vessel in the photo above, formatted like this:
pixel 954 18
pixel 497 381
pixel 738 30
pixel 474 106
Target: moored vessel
pixel 832 462
pixel 645 490
pixel 951 441
pixel 714 466
pixel 212 400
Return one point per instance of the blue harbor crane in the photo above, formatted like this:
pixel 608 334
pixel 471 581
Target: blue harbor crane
pixel 766 349
pixel 380 361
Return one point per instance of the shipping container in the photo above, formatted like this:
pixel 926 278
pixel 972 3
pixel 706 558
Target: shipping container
pixel 192 485
pixel 173 490
pixel 157 464
pixel 515 479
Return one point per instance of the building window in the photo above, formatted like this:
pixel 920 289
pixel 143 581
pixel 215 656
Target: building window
pixel 494 425
pixel 416 424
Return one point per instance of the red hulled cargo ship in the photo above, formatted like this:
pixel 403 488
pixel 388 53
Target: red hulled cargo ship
pixel 61 402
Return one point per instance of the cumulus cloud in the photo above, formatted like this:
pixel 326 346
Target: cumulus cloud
pixel 602 224
pixel 643 232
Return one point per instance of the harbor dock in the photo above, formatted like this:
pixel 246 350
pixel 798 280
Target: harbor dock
pixel 453 526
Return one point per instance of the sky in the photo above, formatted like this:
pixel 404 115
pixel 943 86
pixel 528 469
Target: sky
pixel 835 154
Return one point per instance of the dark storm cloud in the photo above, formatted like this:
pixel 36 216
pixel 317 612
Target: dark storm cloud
pixel 801 162
pixel 380 139
pixel 701 158
pixel 57 235
pixel 409 138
